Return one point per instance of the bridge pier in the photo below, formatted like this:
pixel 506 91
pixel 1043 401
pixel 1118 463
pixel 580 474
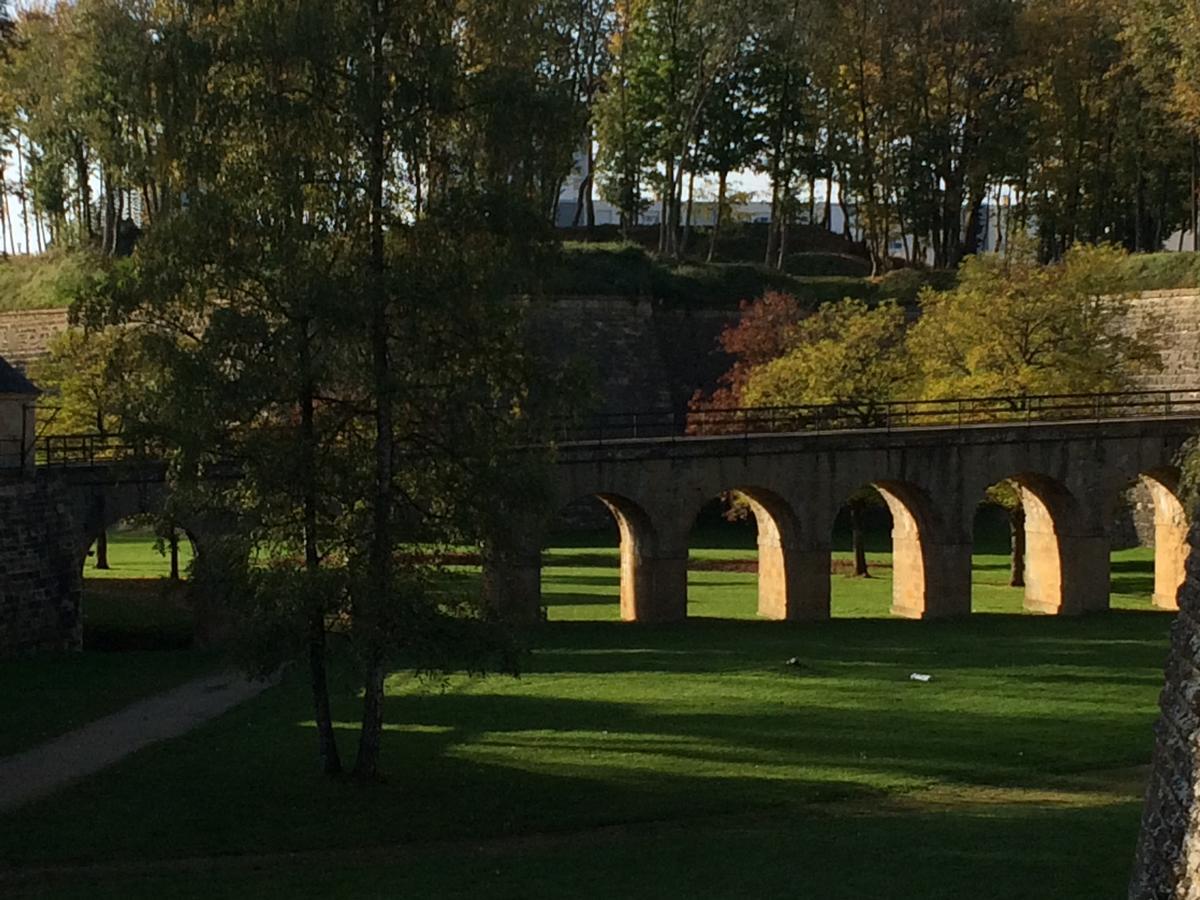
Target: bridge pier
pixel 793 583
pixel 930 579
pixel 793 572
pixel 1067 569
pixel 653 585
pixel 1171 547
pixel 512 584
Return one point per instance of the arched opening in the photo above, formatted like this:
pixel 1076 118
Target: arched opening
pixel 998 543
pixel 1167 532
pixel 861 585
pixel 134 597
pixel 583 572
pixel 581 563
pixel 746 559
pixel 930 570
pixel 1062 563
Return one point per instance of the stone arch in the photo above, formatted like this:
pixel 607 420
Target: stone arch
pixel 105 508
pixel 793 580
pixel 1066 553
pixel 653 588
pixel 931 574
pixel 653 585
pixel 1171 546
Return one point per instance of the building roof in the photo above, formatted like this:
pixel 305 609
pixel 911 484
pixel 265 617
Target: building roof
pixel 13 382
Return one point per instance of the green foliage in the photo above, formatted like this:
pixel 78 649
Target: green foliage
pixel 97 381
pixel 844 352
pixel 1012 326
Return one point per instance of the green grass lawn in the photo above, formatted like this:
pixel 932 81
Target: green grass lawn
pixel 689 760
pixel 50 694
pixel 584 583
pixel 130 608
pixel 132 554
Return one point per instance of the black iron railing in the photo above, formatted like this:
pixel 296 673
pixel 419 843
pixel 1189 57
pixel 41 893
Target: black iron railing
pixel 86 450
pixel 967 412
pixel 956 412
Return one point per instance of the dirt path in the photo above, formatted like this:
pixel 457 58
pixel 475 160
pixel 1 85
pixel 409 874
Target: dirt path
pixel 42 769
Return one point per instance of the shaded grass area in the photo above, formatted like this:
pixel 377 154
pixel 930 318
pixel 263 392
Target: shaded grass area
pixel 51 694
pixel 834 777
pixel 926 855
pixel 647 762
pixel 623 270
pixel 128 609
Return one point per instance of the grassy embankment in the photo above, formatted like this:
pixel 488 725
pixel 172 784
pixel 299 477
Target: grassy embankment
pixel 689 760
pixel 627 270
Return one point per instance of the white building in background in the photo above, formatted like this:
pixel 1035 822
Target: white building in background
pixel 993 218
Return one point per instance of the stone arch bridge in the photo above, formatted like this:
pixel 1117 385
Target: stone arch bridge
pixel 1072 470
pixel 1072 475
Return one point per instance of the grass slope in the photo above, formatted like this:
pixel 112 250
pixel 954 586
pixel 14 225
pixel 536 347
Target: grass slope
pixel 646 762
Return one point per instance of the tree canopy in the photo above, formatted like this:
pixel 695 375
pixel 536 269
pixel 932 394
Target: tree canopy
pixel 926 124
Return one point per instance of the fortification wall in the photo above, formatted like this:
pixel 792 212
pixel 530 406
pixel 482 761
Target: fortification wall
pixel 42 586
pixel 645 355
pixel 1178 313
pixel 25 335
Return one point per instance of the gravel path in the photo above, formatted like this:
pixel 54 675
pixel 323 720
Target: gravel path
pixel 40 770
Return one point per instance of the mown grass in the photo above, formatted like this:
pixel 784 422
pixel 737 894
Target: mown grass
pixel 51 694
pixel 131 608
pixel 721 757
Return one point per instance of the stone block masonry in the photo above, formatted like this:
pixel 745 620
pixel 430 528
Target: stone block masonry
pixel 25 335
pixel 644 355
pixel 41 584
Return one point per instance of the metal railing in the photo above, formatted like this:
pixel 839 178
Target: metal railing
pixel 966 412
pixel 958 412
pixel 86 450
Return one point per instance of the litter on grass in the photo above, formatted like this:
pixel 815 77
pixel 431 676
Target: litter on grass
pixel 920 676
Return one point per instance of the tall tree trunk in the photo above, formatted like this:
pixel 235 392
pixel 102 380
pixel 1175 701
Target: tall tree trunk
pixel 1195 181
pixel 687 219
pixel 379 561
pixel 173 548
pixel 110 217
pixel 589 198
pixel 856 539
pixel 327 749
pixel 773 223
pixel 1016 530
pixel 85 189
pixel 781 254
pixel 722 180
pixel 24 193
pixel 102 549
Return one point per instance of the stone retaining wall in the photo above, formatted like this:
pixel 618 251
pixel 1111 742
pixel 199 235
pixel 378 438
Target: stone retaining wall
pixel 25 335
pixel 41 587
pixel 644 355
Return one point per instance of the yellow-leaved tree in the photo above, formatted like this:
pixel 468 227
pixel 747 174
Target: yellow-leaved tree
pixel 849 355
pixel 1014 328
